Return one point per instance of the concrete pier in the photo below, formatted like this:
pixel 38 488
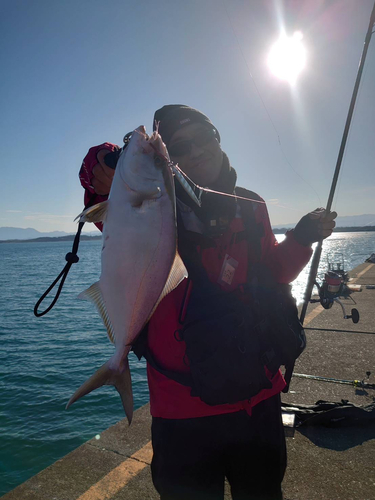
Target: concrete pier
pixel 323 463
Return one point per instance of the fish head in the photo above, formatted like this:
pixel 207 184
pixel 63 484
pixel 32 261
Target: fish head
pixel 145 162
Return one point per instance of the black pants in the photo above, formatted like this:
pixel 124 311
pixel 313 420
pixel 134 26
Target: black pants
pixel 193 456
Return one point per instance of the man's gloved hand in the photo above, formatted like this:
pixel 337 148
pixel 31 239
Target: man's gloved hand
pixel 102 173
pixel 97 170
pixel 314 226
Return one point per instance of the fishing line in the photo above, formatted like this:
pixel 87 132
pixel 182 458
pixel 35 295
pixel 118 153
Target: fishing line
pixel 267 112
pixel 200 189
pixel 207 190
pixel 175 167
pixel 284 206
pixel 178 173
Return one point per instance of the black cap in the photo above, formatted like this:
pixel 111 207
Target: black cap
pixel 173 117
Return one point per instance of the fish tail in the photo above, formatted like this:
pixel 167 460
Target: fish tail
pixel 108 375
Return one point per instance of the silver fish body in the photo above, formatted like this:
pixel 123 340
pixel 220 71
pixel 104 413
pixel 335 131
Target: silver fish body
pixel 140 263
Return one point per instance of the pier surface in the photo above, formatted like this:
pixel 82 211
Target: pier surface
pixel 323 463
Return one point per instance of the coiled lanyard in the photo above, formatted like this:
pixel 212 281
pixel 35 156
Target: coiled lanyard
pixel 71 258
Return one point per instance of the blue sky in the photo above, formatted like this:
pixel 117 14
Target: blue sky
pixel 78 73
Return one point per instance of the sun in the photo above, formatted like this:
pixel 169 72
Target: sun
pixel 287 57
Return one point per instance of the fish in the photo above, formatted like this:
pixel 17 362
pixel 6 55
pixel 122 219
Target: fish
pixel 140 263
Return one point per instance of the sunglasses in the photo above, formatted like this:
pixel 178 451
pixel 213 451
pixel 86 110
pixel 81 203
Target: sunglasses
pixel 183 148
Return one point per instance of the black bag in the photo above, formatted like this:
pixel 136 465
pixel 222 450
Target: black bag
pixel 283 339
pixel 231 337
pixel 223 346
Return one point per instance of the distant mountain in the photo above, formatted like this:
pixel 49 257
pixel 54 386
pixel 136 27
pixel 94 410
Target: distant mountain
pixel 345 221
pixel 17 233
pixel 356 220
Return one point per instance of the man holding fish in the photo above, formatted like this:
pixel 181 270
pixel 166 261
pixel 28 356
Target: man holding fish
pixel 177 283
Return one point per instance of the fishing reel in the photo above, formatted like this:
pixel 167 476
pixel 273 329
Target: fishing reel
pixel 331 288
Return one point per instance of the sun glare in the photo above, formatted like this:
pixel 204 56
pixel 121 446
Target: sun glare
pixel 287 57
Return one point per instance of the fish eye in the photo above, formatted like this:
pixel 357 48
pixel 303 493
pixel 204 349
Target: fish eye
pixel 159 162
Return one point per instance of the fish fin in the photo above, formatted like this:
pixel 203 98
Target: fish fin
pixel 97 213
pixel 94 295
pixel 123 386
pixel 138 197
pixel 106 375
pixel 177 273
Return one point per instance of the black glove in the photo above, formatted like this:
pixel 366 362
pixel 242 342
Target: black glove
pixel 314 226
pixel 111 159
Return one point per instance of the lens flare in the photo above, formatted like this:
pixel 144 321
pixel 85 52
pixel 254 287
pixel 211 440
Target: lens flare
pixel 287 57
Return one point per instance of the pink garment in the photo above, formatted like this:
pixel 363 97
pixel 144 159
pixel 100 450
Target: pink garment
pixel 85 174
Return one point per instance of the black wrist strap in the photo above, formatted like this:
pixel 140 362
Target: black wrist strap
pixel 71 258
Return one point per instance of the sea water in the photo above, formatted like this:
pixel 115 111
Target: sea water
pixel 44 360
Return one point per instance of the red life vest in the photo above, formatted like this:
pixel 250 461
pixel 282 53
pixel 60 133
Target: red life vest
pixel 168 398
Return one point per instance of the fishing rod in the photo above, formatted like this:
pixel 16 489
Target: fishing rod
pixel 318 250
pixel 336 330
pixel 355 383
